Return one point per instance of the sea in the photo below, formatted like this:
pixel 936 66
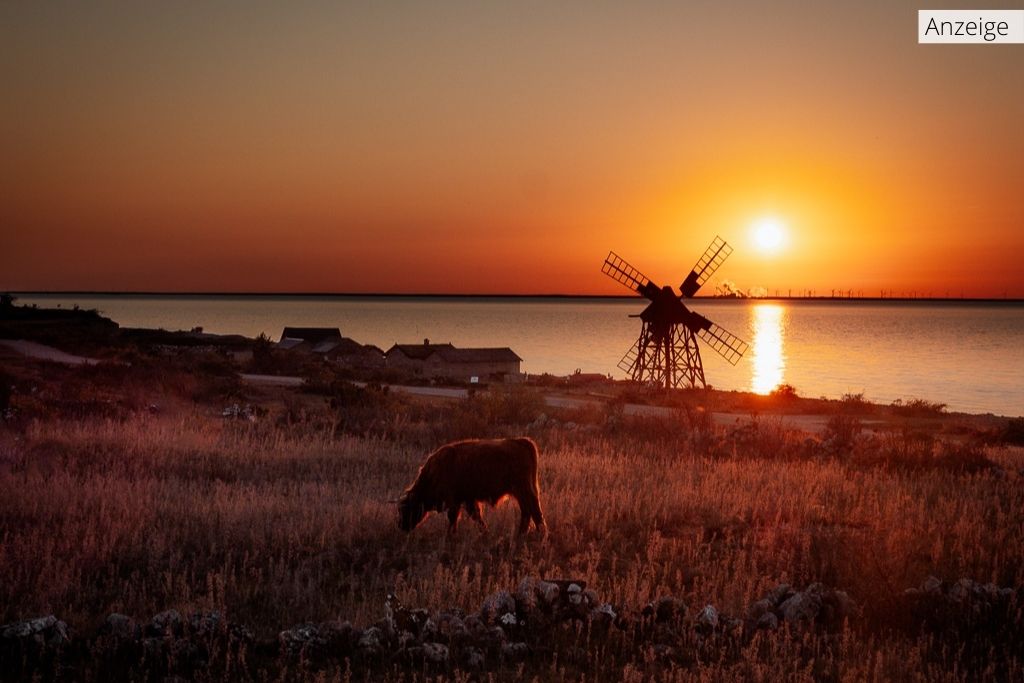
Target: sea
pixel 967 355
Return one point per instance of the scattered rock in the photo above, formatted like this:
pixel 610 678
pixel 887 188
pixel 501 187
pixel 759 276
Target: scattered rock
pixel 533 594
pixel 932 584
pixel 473 658
pixel 475 625
pixel 802 606
pixel 778 595
pixel 514 652
pixel 205 624
pixel 435 653
pixel 336 635
pixel 666 609
pixel 494 636
pixel 120 626
pixel 449 628
pixel 303 639
pixel 707 620
pixel 46 631
pixel 758 609
pixel 509 628
pixel 371 642
pixel 962 605
pixel 168 623
pixel 604 615
pixel 494 606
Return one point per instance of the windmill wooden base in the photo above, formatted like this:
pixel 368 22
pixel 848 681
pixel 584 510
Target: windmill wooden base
pixel 669 360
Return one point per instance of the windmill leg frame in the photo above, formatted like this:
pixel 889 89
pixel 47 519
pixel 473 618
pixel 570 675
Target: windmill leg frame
pixel 671 361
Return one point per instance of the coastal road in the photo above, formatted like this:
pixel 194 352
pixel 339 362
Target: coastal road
pixel 808 423
pixel 273 380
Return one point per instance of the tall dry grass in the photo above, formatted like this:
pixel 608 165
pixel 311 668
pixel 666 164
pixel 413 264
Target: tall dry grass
pixel 276 525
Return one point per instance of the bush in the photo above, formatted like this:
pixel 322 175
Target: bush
pixel 1013 432
pixel 841 432
pixel 917 407
pixel 784 391
pixel 855 403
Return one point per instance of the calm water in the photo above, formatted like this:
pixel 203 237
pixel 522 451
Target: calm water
pixel 969 356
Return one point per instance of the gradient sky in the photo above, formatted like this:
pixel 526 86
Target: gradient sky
pixel 471 147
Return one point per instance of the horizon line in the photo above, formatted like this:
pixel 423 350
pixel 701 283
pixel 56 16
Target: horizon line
pixel 449 295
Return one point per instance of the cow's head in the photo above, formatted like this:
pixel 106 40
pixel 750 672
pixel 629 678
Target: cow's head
pixel 411 511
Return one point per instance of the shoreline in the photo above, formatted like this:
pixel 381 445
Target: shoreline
pixel 478 295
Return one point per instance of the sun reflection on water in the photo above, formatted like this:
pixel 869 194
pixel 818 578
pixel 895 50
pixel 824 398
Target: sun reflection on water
pixel 768 356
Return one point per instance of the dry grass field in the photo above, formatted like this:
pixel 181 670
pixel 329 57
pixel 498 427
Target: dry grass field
pixel 285 520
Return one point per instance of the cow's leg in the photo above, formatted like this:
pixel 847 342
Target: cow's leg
pixel 538 517
pixel 525 512
pixel 535 512
pixel 475 513
pixel 453 517
pixel 529 508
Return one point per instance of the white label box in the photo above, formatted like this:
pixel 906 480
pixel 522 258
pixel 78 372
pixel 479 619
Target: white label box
pixel 970 26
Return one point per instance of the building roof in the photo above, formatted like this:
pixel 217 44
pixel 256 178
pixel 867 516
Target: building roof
pixel 450 354
pixel 345 347
pixel 494 355
pixel 313 335
pixel 419 351
pixel 325 346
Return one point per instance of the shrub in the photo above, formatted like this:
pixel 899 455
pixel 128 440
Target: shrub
pixel 784 391
pixel 917 407
pixel 841 432
pixel 1013 432
pixel 855 403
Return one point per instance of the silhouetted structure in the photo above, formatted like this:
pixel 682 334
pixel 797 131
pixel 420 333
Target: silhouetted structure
pixel 666 353
pixel 328 343
pixel 444 360
pixel 309 338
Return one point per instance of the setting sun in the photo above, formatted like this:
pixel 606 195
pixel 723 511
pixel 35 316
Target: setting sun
pixel 768 235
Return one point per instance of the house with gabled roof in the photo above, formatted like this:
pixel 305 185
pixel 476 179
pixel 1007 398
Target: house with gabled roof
pixel 328 343
pixel 448 362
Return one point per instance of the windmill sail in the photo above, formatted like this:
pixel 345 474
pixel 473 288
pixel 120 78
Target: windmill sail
pixel 617 269
pixel 667 353
pixel 628 362
pixel 727 344
pixel 706 266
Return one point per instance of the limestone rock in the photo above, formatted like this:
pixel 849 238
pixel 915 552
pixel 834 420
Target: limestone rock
pixel 707 620
pixel 494 606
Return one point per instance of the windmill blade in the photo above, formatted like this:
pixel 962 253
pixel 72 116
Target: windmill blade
pixel 727 344
pixel 706 266
pixel 628 362
pixel 617 269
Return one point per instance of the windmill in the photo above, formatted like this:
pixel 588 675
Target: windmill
pixel 666 353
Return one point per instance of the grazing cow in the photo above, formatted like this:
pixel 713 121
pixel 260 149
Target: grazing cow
pixel 466 473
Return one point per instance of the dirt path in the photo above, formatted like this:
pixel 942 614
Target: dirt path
pixel 273 380
pixel 44 352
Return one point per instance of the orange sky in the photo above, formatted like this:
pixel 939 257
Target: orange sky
pixel 452 147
